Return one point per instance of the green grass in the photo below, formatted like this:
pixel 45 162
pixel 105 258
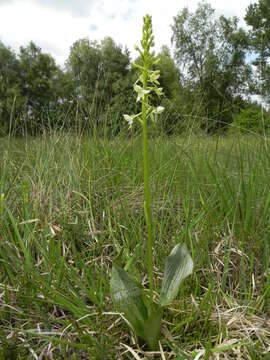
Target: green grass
pixel 73 206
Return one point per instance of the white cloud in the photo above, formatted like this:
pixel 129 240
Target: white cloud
pixel 56 24
pixel 79 8
pixel 52 30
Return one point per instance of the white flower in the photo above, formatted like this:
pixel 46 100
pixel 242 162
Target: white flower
pixel 155 112
pixel 140 91
pixel 129 119
pixel 159 110
pixel 158 91
pixel 154 76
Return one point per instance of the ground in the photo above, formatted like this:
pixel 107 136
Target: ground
pixel 71 206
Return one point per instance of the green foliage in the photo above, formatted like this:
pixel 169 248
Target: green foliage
pixel 169 74
pixel 32 90
pixel 10 92
pixel 37 72
pixel 128 299
pixel 94 90
pixel 172 120
pixel 100 75
pixel 210 70
pixel 258 19
pixel 211 55
pixel 178 266
pixel 211 193
pixel 83 63
pixel 252 119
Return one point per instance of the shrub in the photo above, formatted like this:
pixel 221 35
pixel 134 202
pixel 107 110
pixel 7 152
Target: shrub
pixel 251 119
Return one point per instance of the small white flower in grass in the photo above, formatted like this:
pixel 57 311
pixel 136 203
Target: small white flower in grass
pixel 129 119
pixel 155 112
pixel 159 110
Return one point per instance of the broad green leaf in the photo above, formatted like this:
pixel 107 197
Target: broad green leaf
pixel 128 299
pixel 152 328
pixel 178 266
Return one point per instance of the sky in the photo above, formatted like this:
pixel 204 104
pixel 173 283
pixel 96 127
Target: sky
pixel 54 25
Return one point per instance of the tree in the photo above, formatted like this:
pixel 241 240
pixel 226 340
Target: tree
pixel 37 71
pixel 210 53
pixel 99 71
pixel 84 65
pixel 115 65
pixel 45 88
pixel 10 92
pixel 169 73
pixel 250 119
pixel 258 18
pixel 171 120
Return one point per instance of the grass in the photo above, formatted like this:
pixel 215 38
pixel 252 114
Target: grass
pixel 73 205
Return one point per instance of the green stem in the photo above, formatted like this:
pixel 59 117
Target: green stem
pixel 147 197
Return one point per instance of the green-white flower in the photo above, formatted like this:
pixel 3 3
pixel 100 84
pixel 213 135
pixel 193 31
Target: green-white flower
pixel 147 83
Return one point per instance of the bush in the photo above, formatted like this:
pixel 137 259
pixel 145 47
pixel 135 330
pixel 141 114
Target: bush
pixel 251 119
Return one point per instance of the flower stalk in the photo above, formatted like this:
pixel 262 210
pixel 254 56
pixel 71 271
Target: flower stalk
pixel 144 91
pixel 143 315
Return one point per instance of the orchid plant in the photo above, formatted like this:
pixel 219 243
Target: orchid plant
pixel 137 305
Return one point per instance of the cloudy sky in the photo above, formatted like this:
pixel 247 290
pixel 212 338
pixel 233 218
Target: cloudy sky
pixel 55 24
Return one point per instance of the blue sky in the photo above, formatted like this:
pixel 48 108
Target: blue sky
pixel 55 24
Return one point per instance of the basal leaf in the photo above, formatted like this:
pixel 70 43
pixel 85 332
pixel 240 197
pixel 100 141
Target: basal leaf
pixel 128 299
pixel 152 328
pixel 178 266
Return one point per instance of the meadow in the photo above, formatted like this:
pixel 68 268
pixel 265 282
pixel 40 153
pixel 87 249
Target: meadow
pixel 72 206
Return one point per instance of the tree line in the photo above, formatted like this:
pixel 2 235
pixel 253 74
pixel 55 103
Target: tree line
pixel 208 77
